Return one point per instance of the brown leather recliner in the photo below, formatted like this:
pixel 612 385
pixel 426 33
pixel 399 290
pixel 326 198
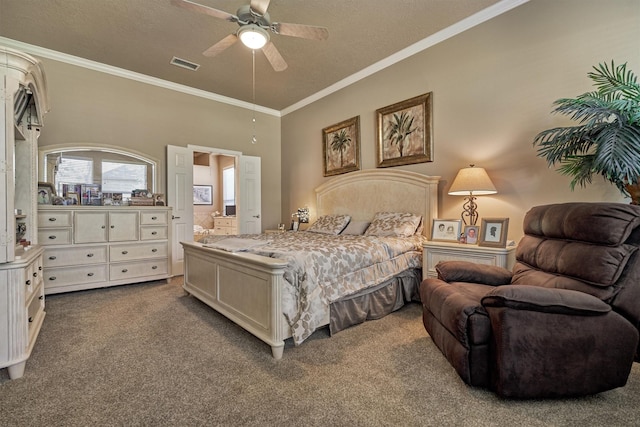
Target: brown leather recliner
pixel 564 322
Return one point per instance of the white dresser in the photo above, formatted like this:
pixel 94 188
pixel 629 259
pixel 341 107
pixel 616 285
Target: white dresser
pixel 225 225
pixel 434 252
pixel 93 247
pixel 21 308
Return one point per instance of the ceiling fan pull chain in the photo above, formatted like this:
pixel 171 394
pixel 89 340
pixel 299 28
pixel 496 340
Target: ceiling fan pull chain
pixel 253 73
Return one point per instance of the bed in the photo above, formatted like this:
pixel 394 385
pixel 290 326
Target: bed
pixel 255 280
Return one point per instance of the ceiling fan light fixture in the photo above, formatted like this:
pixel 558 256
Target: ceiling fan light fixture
pixel 253 37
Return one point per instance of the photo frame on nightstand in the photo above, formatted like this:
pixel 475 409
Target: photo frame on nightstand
pixel 494 232
pixel 446 230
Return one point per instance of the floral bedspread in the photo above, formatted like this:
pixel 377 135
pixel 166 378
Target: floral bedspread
pixel 323 268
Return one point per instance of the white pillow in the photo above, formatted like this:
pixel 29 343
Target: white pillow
pixel 330 224
pixel 394 224
pixel 356 228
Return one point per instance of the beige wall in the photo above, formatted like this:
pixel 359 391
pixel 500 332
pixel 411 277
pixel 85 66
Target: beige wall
pixel 493 87
pixel 91 107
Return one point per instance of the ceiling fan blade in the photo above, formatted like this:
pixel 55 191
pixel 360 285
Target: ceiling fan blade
pixel 260 6
pixel 273 56
pixel 195 7
pixel 299 30
pixel 221 45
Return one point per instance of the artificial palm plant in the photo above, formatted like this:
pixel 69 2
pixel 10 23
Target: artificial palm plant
pixel 607 139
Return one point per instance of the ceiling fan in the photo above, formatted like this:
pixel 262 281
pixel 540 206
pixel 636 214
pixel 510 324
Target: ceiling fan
pixel 255 24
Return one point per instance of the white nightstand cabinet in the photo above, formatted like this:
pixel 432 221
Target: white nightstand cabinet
pixel 21 309
pixel 91 247
pixel 434 252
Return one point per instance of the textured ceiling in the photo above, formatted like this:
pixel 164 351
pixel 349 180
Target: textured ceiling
pixel 143 36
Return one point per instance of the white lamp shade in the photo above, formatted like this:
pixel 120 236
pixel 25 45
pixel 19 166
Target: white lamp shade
pixel 473 181
pixel 253 36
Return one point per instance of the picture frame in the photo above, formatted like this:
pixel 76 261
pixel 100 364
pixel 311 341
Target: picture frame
pixel 159 199
pixel 446 230
pixel 341 147
pixel 202 194
pixel 405 132
pixel 494 232
pixel 472 233
pixel 46 192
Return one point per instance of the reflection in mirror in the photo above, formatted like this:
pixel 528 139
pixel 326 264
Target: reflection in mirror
pixel 114 170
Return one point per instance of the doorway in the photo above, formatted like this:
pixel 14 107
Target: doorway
pixel 215 193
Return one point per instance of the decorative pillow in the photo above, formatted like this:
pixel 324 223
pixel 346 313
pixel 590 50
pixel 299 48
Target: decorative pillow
pixel 356 228
pixel 330 224
pixel 394 224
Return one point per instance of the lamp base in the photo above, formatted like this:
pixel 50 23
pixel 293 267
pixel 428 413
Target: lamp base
pixel 469 211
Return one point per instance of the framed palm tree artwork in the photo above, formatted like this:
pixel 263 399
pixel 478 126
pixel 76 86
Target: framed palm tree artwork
pixel 341 147
pixel 405 132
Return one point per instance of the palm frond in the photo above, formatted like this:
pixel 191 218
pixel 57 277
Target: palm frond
pixel 615 79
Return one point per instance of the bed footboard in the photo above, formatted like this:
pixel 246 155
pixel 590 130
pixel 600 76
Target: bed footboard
pixel 246 288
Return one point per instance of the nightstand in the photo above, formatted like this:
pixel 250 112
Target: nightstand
pixel 434 252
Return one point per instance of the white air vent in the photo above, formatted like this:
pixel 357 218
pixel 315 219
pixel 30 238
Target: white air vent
pixel 184 64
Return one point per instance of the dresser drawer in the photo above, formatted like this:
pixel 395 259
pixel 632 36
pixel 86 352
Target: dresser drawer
pixel 224 222
pixel 119 253
pixel 129 270
pixel 54 236
pixel 33 276
pixel 54 219
pixel 225 231
pixel 65 276
pixel 75 255
pixel 154 218
pixel 153 233
pixel 35 312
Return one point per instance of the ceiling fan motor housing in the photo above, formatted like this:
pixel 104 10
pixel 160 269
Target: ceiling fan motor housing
pixel 248 16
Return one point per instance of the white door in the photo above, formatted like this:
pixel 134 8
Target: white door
pixel 249 209
pixel 180 198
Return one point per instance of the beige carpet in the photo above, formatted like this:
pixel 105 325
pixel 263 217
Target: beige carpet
pixel 148 354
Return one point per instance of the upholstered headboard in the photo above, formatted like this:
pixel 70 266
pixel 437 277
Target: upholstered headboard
pixel 363 193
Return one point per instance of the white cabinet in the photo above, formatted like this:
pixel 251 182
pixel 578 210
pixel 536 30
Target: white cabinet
pixel 92 247
pixel 434 252
pixel 21 308
pixel 23 103
pixel 105 226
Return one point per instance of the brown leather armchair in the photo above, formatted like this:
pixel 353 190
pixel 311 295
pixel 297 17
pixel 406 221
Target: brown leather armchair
pixel 564 322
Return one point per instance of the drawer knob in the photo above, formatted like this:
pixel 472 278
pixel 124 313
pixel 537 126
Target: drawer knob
pixel 35 274
pixel 124 270
pixel 155 267
pixel 41 297
pixel 52 237
pixel 90 274
pixel 52 278
pixel 40 268
pixel 30 319
pixel 103 227
pixel 153 233
pixel 52 257
pixel 52 219
pixel 89 255
pixel 28 282
pixel 113 226
pixel 154 250
pixel 125 252
pixel 154 218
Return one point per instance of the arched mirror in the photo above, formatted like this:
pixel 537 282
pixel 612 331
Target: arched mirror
pixel 104 172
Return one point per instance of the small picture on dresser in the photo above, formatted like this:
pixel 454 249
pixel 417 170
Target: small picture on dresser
pixel 45 193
